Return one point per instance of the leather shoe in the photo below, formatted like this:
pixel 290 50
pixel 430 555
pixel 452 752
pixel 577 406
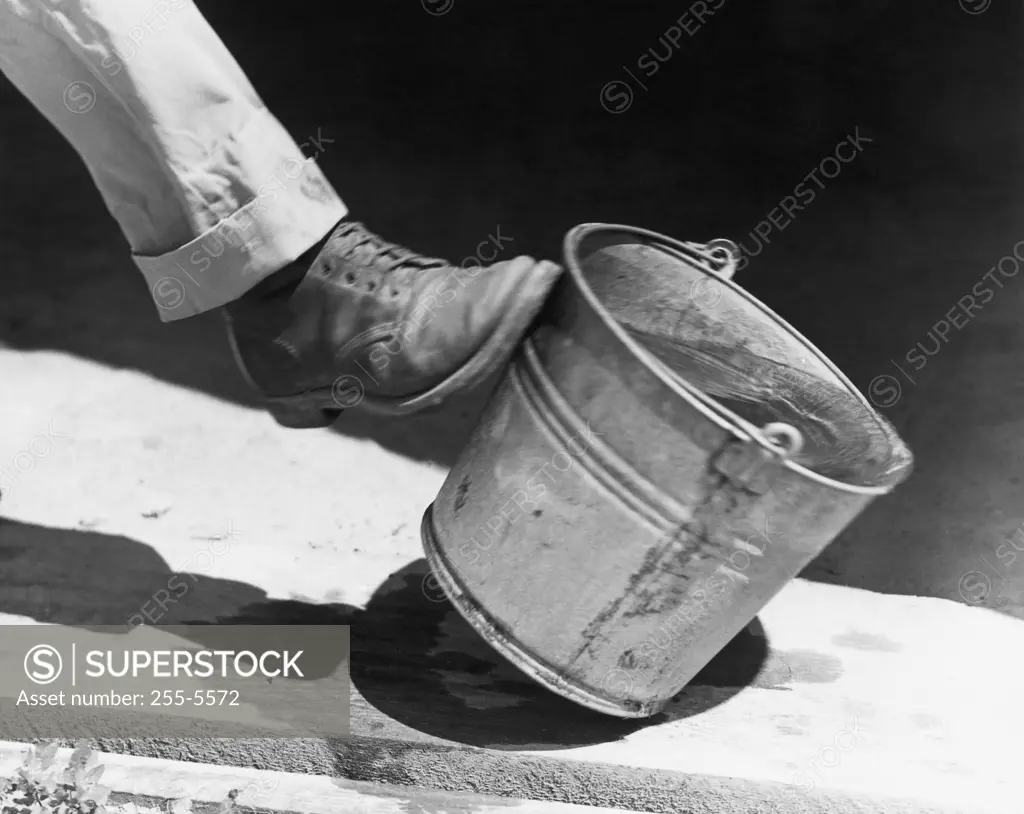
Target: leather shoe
pixel 369 324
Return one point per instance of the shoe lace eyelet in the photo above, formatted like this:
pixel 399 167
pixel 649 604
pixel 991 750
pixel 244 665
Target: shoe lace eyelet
pixel 394 292
pixel 371 285
pixel 350 277
pixel 325 269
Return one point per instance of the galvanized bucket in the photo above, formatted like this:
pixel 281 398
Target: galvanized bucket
pixel 624 507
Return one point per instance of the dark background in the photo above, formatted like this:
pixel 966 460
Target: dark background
pixel 445 127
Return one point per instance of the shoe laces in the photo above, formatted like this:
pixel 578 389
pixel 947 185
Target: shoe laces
pixel 391 255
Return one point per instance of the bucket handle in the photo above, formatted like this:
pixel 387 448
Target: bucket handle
pixel 720 256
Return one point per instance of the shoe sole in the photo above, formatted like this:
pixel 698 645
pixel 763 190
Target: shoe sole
pixel 322 407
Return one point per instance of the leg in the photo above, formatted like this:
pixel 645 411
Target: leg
pixel 210 191
pixel 221 208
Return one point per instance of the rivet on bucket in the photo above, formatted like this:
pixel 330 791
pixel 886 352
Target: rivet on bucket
pixel 786 438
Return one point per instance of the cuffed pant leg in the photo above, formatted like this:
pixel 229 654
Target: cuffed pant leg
pixel 210 190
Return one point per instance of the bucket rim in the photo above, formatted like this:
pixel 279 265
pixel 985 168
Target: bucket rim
pixel 703 403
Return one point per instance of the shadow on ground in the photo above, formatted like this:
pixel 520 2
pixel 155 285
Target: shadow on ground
pixel 413 657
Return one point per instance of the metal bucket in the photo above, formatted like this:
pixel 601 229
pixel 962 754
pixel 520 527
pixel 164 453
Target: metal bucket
pixel 613 523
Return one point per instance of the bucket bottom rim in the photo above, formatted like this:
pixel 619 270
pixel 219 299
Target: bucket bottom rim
pixel 494 634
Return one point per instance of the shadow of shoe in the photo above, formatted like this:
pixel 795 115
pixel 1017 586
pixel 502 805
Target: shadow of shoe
pixel 86 578
pixel 96 582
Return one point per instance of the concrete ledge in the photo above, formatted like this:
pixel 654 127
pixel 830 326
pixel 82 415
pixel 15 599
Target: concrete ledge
pixel 833 700
pixel 157 781
pixel 152 781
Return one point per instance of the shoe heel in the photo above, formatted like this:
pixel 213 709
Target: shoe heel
pixel 302 417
